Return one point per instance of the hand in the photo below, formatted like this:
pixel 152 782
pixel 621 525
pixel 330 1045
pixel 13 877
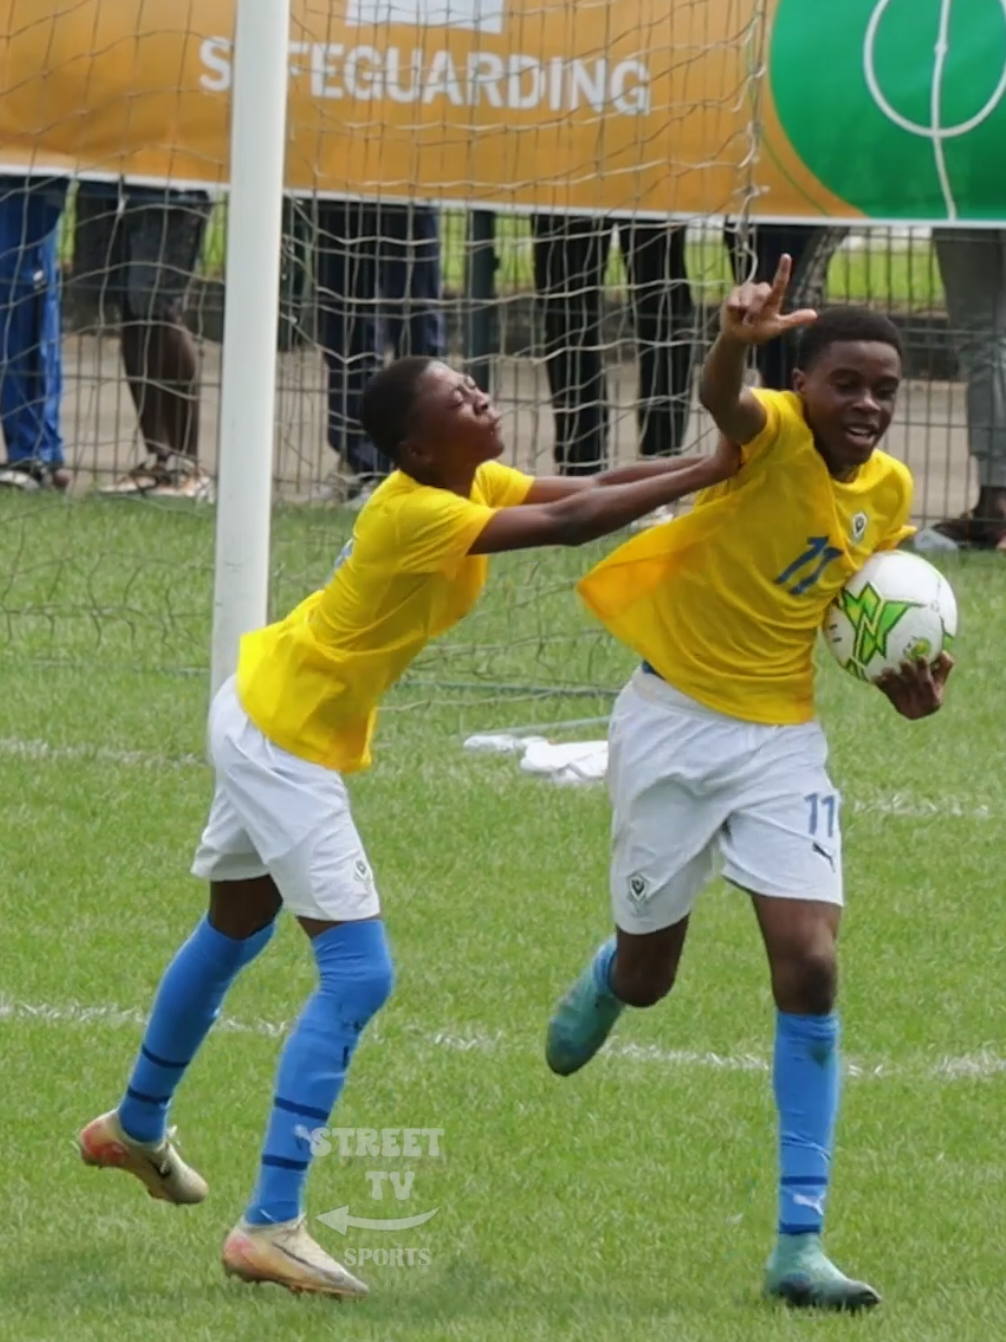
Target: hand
pixel 752 314
pixel 725 461
pixel 916 689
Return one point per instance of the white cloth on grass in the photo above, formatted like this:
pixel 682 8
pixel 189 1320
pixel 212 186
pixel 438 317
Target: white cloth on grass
pixel 571 763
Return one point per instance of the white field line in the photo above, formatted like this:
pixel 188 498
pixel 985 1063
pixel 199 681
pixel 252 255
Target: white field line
pixel 976 1066
pixel 897 804
pixel 14 748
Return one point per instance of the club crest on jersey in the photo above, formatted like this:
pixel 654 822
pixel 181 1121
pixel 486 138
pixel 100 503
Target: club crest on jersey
pixel 857 528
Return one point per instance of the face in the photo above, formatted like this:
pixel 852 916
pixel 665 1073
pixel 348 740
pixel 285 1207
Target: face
pixel 848 397
pixel 456 425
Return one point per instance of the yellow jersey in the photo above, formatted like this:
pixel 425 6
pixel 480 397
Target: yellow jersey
pixel 311 683
pixel 725 603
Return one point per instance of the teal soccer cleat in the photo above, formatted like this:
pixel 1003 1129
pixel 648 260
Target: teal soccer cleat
pixel 581 1022
pixel 802 1274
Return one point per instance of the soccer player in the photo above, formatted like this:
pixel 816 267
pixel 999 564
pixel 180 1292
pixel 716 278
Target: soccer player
pixel 299 715
pixel 714 750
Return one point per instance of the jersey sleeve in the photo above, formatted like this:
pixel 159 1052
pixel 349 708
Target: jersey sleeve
pixel 436 529
pixel 900 528
pixel 502 486
pixel 776 409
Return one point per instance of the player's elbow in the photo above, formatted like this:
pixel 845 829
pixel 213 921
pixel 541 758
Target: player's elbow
pixel 724 408
pixel 574 522
pixel 722 412
pixel 571 535
pixel 709 398
pixel 588 523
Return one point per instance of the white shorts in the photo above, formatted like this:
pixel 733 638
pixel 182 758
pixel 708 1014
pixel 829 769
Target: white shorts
pixel 691 788
pixel 275 814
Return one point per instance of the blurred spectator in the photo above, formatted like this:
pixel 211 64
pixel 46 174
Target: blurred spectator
pixel 31 339
pixel 570 259
pixel 972 263
pixel 379 283
pixel 154 243
pixel 811 249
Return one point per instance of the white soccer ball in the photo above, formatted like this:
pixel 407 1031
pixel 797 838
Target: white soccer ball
pixel 898 607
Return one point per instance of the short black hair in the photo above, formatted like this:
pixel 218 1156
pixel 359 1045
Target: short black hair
pixel 838 324
pixel 389 399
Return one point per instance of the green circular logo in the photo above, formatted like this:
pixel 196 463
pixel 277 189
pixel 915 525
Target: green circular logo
pixel 897 106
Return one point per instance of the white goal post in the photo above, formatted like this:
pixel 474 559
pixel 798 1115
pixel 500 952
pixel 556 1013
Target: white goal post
pixel 248 384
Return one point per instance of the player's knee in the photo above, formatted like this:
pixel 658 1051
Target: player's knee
pixel 806 983
pixel 355 968
pixel 641 985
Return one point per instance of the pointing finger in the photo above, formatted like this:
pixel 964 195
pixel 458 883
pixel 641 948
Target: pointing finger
pixel 782 276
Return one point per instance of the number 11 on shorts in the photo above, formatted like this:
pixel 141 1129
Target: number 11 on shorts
pixel 821 807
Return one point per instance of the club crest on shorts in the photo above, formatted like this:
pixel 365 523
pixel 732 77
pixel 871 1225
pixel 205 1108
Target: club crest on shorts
pixel 361 870
pixel 857 528
pixel 638 888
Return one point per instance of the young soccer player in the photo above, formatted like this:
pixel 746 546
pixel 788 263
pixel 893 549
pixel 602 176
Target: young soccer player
pixel 299 715
pixel 714 748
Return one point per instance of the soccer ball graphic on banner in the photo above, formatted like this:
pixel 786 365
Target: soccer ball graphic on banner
pixel 897 607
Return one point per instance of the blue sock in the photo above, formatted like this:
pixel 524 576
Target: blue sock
pixel 356 978
pixel 603 961
pixel 806 1080
pixel 187 1003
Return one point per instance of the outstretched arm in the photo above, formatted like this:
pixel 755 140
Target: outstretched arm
pixel 590 512
pixel 750 316
pixel 552 488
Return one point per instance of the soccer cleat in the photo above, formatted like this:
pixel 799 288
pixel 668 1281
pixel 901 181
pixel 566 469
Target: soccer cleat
pixel 188 481
pixel 172 477
pixel 580 1024
pixel 157 1165
pixel 801 1273
pixel 32 476
pixel 286 1255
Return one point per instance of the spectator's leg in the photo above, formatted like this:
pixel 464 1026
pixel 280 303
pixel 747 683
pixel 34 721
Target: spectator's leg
pixel 569 261
pixel 410 280
pixel 665 335
pixel 51 359
pixel 973 266
pixel 30 334
pixel 347 300
pixel 160 352
pixel 163 239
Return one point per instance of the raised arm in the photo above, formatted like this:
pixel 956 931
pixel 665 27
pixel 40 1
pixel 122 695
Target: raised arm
pixel 752 315
pixel 590 512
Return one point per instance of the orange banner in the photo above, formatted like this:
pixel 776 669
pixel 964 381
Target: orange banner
pixel 614 106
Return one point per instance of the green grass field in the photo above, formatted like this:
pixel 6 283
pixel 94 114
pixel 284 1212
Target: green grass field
pixel 634 1203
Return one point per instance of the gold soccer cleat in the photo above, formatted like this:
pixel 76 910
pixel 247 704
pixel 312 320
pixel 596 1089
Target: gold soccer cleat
pixel 286 1255
pixel 157 1165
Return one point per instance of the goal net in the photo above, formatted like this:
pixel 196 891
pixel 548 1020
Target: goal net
pixel 555 194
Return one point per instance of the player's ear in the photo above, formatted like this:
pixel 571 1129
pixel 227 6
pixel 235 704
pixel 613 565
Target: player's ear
pixel 799 381
pixel 413 452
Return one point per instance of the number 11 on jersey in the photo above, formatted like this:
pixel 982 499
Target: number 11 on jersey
pixel 812 563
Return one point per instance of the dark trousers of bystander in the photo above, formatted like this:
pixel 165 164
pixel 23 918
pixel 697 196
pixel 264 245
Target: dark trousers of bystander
pixel 571 256
pixel 379 284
